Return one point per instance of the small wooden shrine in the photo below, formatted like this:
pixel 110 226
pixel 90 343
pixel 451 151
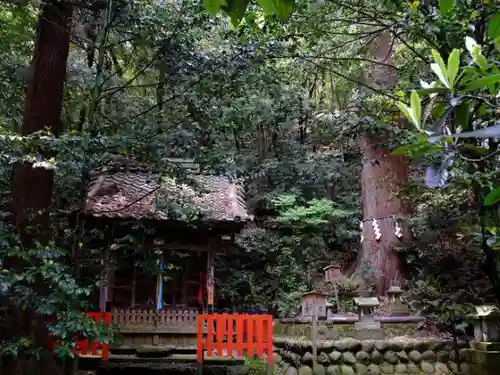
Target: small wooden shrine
pixel 151 303
pixel 314 303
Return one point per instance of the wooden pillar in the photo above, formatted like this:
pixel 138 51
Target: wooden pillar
pixel 210 279
pixel 105 279
pixel 134 284
pixel 185 280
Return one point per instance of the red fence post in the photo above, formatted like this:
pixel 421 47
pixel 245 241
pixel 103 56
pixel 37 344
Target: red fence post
pixel 247 334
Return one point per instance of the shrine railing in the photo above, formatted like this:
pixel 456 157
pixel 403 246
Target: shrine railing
pixel 147 319
pixel 235 335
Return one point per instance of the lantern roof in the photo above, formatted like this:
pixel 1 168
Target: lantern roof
pixel 314 293
pixel 366 301
pixel 333 265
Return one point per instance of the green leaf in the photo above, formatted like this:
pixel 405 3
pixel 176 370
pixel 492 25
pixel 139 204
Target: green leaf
pixel 405 150
pixel 494 26
pixel 282 8
pixel 446 5
pixel 453 65
pixel 493 197
pixel 431 90
pixel 236 10
pixel 462 114
pixel 406 111
pixel 482 82
pixel 440 68
pixel 212 6
pixel 416 107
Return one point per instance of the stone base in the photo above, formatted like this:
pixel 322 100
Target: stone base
pixel 369 334
pixel 485 346
pixel 400 310
pixel 367 324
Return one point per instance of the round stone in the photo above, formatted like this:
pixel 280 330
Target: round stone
pixel 361 369
pixel 381 345
pixel 328 346
pixel 363 357
pixel 441 368
pixel 319 370
pixel 335 356
pixel 403 357
pixel 307 358
pixel 373 369
pixel 349 358
pixel 295 359
pixel 341 345
pixel 395 346
pixel 305 370
pixel 291 371
pixel 415 356
pixel 422 346
pixel 429 356
pixel 412 368
pixel 347 370
pixel 333 370
pixel 453 367
pixel 401 369
pixel 367 346
pixel 354 345
pixel 437 346
pixel 464 368
pixel 376 357
pixel 323 358
pixel 386 368
pixel 443 356
pixel 427 367
pixel 408 346
pixel 391 357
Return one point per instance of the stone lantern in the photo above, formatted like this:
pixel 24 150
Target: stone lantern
pixel 398 307
pixel 486 323
pixel 314 302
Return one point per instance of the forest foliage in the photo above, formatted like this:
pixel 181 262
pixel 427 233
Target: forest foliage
pixel 269 92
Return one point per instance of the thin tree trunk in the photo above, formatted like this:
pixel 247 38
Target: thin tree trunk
pixel 32 187
pixel 381 178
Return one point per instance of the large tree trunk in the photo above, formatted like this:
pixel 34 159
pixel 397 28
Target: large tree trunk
pixel 32 187
pixel 381 179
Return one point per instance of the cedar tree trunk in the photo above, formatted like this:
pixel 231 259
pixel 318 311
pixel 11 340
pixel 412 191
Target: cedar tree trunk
pixel 381 178
pixel 32 187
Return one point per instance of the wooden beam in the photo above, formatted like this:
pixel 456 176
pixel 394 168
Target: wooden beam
pixel 134 284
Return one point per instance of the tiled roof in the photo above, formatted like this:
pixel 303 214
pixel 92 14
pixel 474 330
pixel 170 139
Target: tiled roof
pixel 129 191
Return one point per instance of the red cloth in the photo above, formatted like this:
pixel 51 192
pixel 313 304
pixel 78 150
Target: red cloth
pixel 200 289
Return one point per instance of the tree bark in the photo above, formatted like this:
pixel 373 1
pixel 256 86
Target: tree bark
pixel 32 187
pixel 381 178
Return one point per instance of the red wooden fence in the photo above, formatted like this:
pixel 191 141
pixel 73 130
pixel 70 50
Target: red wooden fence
pixel 84 347
pixel 243 334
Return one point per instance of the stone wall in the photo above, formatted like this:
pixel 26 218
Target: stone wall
pixel 384 357
pixel 336 331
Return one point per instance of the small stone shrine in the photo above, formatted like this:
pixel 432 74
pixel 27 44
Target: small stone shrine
pixel 367 328
pixel 486 323
pixel 398 307
pixel 314 302
pixel 484 353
